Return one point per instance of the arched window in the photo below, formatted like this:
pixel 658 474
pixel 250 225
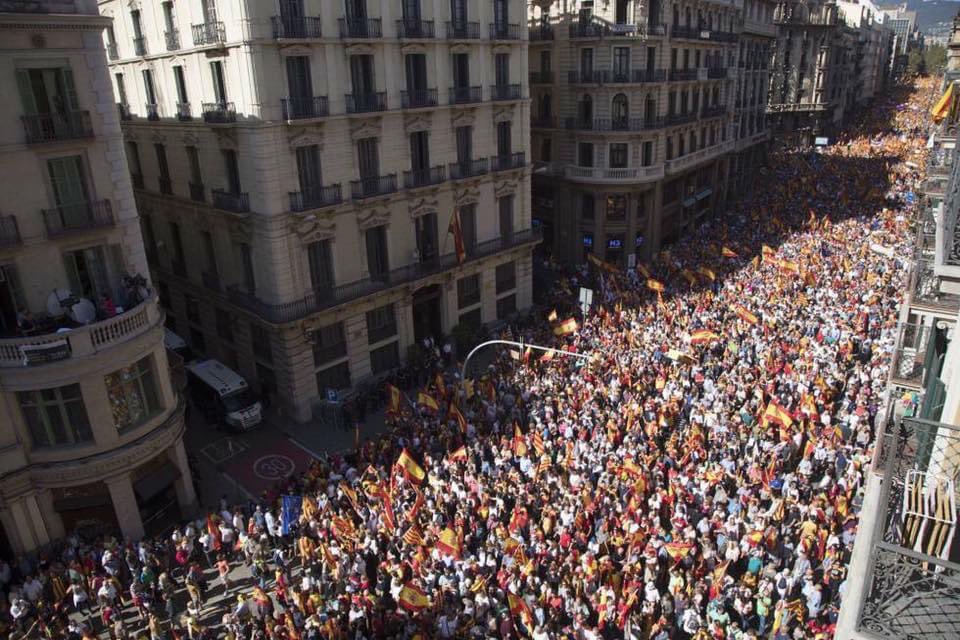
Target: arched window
pixel 620 111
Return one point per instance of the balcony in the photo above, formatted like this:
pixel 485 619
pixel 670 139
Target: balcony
pixel 315 198
pixel 305 108
pixel 78 218
pixel 360 28
pixel 52 127
pixel 587 31
pixel 463 31
pixel 344 293
pixel 292 28
pixel 541 77
pixel 184 113
pixel 209 33
pixel 9 232
pixel 713 111
pixel 418 98
pixel 72 341
pixel 124 110
pixel 172 39
pixel 813 19
pixel 540 33
pixel 613 175
pixel 219 113
pixel 584 77
pixel 424 177
pixel 716 73
pixel 112 53
pixel 655 29
pixel 673 119
pixel 140 46
pixel 415 29
pixel 197 192
pixel 153 112
pixel 466 95
pixel 500 92
pixel 543 122
pixel 649 75
pixel 721 36
pixel 468 169
pixel 683 75
pixel 692 159
pixel 687 33
pixel 232 202
pixel 165 185
pixel 508 161
pixel 373 186
pixel 503 31
pixel 366 102
pixel 210 279
pixel 616 124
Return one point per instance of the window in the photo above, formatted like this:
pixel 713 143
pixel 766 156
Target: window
pixel 133 159
pixel 246 263
pixel 260 339
pixel 361 75
pixel 504 145
pixel 121 88
pixel 47 91
pixel 69 183
pixel 464 144
pixel 381 324
pixel 193 159
pixel 647 157
pixel 618 155
pixel 420 156
pixel 179 258
pixel 669 147
pixel 299 84
pixel 506 277
pixel 308 172
pixel 505 205
pixel 164 168
pixel 468 291
pixel 620 111
pixel 219 84
pixel 461 71
pixel 378 262
pixel 209 253
pixel 468 225
pixel 55 416
pixel 368 158
pixel 621 63
pixel 506 306
pixel 617 207
pixel 232 169
pixel 585 154
pixel 336 377
pixel 501 66
pixel 385 358
pixel 90 272
pixel 181 83
pixel 471 318
pixel 426 230
pixel 329 344
pixel 224 325
pixel 267 381
pixel 586 63
pixel 149 239
pixel 320 259
pixel 148 87
pixel 132 392
pixel 416 69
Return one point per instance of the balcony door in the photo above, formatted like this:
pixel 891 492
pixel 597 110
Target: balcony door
pixel 299 82
pixel 416 65
pixel 47 91
pixel 219 84
pixel 368 159
pixel 501 15
pixel 361 75
pixel 378 263
pixel 209 11
pixel 458 13
pixel 504 141
pixel 308 172
pixel 356 10
pixel 88 272
pixel 461 70
pixel 464 144
pixel 427 236
pixel 420 153
pixel 291 11
pixel 502 69
pixel 68 181
pixel 411 11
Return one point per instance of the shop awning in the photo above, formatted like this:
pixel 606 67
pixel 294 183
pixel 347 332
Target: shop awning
pixel 154 482
pixel 943 104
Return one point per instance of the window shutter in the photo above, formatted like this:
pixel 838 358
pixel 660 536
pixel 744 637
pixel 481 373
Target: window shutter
pixel 70 89
pixel 26 91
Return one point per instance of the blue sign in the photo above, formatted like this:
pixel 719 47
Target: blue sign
pixel 290 512
pixel 911 197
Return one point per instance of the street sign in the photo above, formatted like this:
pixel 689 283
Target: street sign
pixel 586 300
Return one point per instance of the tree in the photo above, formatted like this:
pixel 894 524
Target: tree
pixel 935 59
pixel 915 62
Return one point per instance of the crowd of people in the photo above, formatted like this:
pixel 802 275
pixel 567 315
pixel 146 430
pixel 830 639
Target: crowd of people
pixel 699 475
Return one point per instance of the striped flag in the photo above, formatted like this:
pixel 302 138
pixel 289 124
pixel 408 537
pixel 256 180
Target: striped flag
pixel 655 285
pixel 538 443
pixel 519 445
pixel 709 274
pixel 449 543
pixel 413 537
pixel 415 507
pixel 412 471
pixel 393 407
pixel 744 314
pixel 426 400
pixel 459 454
pixel 703 336
pixel 412 598
pixel 457 230
pixel 454 412
pixel 727 252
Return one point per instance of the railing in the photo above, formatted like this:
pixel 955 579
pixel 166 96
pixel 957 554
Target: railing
pixel 502 31
pixel 234 202
pixel 9 231
pixel 304 108
pixel 541 77
pixel 508 161
pixel 424 177
pixel 672 119
pixel 140 46
pixel 649 75
pixel 911 588
pixel 77 218
pixel 468 169
pixel 907 363
pixel 713 111
pixel 360 27
pixel 716 73
pixel 680 31
pixel 417 98
pixel 172 38
pixel 165 185
pixel 589 30
pixel 341 294
pixel 373 186
pixel 543 122
pixel 153 112
pixel 184 113
pixel 208 33
pixel 812 19
pixel 198 192
pixel 655 29
pixel 295 28
pixel 707 153
pixel 82 341
pixel 124 111
pixel 50 127
pixel 112 53
pixel 540 33
pixel 463 31
pixel 211 280
pixel 415 29
pixel 683 75
pixel 721 36
pixel 219 112
pixel 315 198
pixel 604 174
pixel 505 92
pixel 925 287
pixel 366 102
pixel 613 124
pixel 465 95
pixel 589 76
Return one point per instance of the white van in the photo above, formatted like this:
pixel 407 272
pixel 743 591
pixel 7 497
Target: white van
pixel 223 395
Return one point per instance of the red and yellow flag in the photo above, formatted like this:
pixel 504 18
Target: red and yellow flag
pixel 519 444
pixel 520 609
pixel 776 414
pixel 678 550
pixel 703 336
pixel 449 543
pixel 547 357
pixel 457 231
pixel 412 471
pixel 744 314
pixel 655 285
pixel 214 531
pixel 707 273
pixel 459 454
pixel 643 271
pixel 412 598
pixel 426 400
pixel 454 412
pixel 552 316
pixel 413 537
pixel 566 327
pixel 632 468
pixel 538 443
pixel 727 252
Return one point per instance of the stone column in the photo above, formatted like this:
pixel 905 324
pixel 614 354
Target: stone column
pixel 186 495
pixel 655 221
pixel 125 506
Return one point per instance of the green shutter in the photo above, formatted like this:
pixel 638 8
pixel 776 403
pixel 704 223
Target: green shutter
pixel 26 91
pixel 70 89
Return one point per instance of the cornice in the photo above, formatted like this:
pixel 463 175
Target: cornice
pixel 54 21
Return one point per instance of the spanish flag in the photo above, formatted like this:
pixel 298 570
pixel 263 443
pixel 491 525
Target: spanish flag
pixel 942 107
pixel 440 385
pixel 552 316
pixel 350 494
pixel 415 507
pixel 519 444
pixel 632 468
pixel 776 414
pixel 745 315
pixel 459 454
pixel 454 412
pixel 388 515
pixel 449 543
pixel 790 267
pixel 426 400
pixel 393 407
pixel 727 252
pixel 655 285
pixel 413 537
pixel 520 609
pixel 547 357
pixel 412 471
pixel 412 598
pixel 329 559
pixel 479 584
pixel 457 232
pixel 566 327
pixel 214 532
pixel 688 275
pixel 343 529
pixel 707 273
pixel 703 336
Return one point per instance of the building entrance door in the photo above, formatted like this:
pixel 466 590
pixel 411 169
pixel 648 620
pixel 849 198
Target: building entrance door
pixel 427 319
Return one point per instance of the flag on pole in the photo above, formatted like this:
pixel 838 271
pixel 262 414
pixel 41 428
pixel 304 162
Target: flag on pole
pixel 520 609
pixel 413 537
pixel 655 285
pixel 449 543
pixel 393 407
pixel 552 316
pixel 519 445
pixel 457 232
pixel 426 400
pixel 412 471
pixel 776 414
pixel 412 598
pixel 454 412
pixel 745 315
pixel 707 273
pixel 459 454
pixel 566 327
pixel 703 336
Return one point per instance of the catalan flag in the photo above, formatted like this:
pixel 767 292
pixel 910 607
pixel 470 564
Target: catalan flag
pixel 393 406
pixel 343 529
pixel 454 412
pixel 632 468
pixel 689 277
pixel 449 543
pixel 329 559
pixel 744 314
pixel 412 598
pixel 655 285
pixel 606 266
pixel 538 443
pixel 790 267
pixel 415 507
pixel 566 327
pixel 479 584
pixel 457 230
pixel 703 336
pixel 727 252
pixel 413 537
pixel 412 471
pixel 350 494
pixel 426 400
pixel 769 255
pixel 547 357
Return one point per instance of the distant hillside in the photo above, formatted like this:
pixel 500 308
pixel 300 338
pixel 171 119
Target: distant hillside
pixel 930 13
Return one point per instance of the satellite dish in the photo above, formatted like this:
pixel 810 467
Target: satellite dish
pixel 59 302
pixel 83 312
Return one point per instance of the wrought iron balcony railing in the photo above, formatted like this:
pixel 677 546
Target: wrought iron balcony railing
pixel 51 127
pixel 360 28
pixel 683 75
pixel 373 186
pixel 466 95
pixel 587 30
pixel 679 118
pixel 366 102
pixel 304 28
pixel 9 231
pixel 417 98
pixel 208 33
pixel 78 217
pixel 541 77
pixel 424 177
pixel 503 31
pixel 716 73
pixel 183 111
pixel 233 202
pixel 219 112
pixel 304 108
pixel 112 52
pixel 713 111
pixel 468 168
pixel 463 31
pixel 172 39
pixel 124 110
pixel 415 29
pixel 505 91
pixel 315 198
pixel 680 31
pixel 540 33
pixel 153 111
pixel 508 161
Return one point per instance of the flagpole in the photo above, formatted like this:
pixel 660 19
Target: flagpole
pixel 521 345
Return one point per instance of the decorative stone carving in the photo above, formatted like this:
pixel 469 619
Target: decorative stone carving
pixel 366 128
pixel 158 137
pixel 306 136
pixel 422 206
pixel 503 114
pixel 504 187
pixel 459 48
pixel 190 139
pixel 313 227
pixel 412 47
pixel 359 49
pixel 295 50
pixel 226 138
pixel 240 229
pixel 466 195
pixel 372 216
pixel 462 117
pixel 416 122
